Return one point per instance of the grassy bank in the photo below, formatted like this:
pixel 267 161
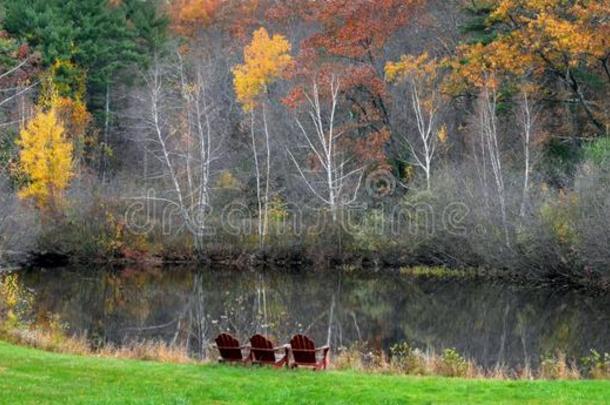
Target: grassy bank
pixel 32 376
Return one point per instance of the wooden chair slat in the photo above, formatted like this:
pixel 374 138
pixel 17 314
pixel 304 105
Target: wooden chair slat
pixel 264 352
pixel 229 348
pixel 304 353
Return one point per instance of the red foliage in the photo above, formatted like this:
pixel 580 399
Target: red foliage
pixel 238 18
pixel 357 29
pixel 349 43
pixel 23 51
pixel 372 148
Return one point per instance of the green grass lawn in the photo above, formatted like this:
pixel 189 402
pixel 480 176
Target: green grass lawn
pixel 32 376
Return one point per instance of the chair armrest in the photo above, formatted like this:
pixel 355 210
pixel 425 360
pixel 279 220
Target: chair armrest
pixel 326 357
pixel 323 348
pixel 224 347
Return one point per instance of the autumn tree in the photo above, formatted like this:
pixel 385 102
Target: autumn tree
pixel 46 159
pixel 188 16
pixel 233 20
pixel 350 38
pixel 183 134
pixel 93 34
pixel 63 89
pixel 94 41
pixel 328 172
pixel 562 40
pixel 266 58
pixel 488 155
pixel 422 76
pixel 528 119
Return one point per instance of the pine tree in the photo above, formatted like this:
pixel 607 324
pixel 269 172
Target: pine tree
pixel 101 37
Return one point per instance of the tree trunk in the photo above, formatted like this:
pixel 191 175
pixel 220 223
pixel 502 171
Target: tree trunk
pixel 257 174
pixel 103 160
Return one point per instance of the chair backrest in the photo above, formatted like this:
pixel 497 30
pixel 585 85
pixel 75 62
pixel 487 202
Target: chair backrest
pixel 262 349
pixel 303 349
pixel 228 347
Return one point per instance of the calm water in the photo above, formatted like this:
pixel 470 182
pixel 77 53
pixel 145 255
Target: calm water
pixel 490 322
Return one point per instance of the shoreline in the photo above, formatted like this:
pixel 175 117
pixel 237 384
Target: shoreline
pixel 348 262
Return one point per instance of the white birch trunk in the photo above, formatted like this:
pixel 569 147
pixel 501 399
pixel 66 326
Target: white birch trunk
pixel 322 145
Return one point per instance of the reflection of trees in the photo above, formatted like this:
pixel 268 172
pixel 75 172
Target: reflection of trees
pixel 15 300
pixel 489 322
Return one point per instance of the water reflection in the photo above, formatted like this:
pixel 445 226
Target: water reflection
pixel 489 322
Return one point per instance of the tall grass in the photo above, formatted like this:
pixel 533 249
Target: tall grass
pixel 54 339
pixel 401 359
pixel 404 359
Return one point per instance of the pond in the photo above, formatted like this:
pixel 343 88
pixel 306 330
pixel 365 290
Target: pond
pixel 489 322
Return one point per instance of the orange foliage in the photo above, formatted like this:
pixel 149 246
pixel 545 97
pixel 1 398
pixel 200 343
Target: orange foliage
pixel 349 43
pixel 238 18
pixel 188 16
pixel 539 36
pixel 67 101
pixel 358 31
pixel 351 38
pixel 77 119
pixel 541 39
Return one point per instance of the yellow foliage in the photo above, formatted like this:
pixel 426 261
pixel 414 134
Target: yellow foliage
pixel 539 34
pixel 75 114
pixel 277 209
pixel 9 290
pixel 63 79
pixel 48 93
pixel 412 67
pixel 408 174
pixel 66 99
pixel 484 61
pixel 442 135
pixel 227 180
pixel 423 75
pixel 46 158
pixel 265 59
pixel 559 216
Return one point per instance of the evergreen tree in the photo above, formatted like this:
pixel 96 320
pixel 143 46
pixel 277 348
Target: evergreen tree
pixel 99 36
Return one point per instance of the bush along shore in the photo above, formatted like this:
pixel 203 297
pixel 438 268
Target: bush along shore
pixel 559 239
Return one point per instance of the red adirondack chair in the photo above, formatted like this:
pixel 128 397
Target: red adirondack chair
pixel 262 351
pixel 230 350
pixel 305 353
